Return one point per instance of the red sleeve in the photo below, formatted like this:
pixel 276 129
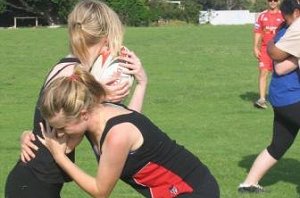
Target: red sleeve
pixel 258 26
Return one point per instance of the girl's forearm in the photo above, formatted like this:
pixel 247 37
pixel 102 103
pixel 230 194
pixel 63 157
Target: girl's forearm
pixel 137 98
pixel 83 180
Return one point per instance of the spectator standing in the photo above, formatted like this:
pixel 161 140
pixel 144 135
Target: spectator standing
pixel 264 30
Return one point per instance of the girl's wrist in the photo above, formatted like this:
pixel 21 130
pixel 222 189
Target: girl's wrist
pixel 142 83
pixel 59 157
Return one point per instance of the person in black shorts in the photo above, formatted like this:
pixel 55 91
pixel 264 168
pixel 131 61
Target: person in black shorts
pixel 94 30
pixel 128 145
pixel 284 95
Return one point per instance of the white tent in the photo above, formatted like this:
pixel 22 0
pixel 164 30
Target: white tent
pixel 227 17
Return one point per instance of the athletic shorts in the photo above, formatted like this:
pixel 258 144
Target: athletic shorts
pixel 265 62
pixel 22 183
pixel 285 129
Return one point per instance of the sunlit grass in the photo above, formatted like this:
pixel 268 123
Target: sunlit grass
pixel 202 81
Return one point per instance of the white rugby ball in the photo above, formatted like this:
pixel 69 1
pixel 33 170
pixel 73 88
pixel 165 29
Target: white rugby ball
pixel 102 71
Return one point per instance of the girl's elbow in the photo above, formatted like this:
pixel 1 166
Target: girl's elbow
pixel 101 194
pixel 278 71
pixel 276 57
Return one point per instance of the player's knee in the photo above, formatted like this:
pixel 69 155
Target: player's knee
pixel 277 151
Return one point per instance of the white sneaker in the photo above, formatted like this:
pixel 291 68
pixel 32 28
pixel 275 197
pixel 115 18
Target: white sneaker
pixel 261 103
pixel 254 188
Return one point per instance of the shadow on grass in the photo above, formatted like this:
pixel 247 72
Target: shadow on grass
pixel 249 96
pixel 286 170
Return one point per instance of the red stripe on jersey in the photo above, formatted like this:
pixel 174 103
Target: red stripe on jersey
pixel 162 182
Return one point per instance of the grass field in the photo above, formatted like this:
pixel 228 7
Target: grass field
pixel 202 81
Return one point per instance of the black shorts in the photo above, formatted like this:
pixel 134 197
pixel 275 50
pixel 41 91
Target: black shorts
pixel 203 183
pixel 285 129
pixel 22 183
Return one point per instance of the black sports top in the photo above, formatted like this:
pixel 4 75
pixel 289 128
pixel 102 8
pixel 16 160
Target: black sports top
pixel 160 167
pixel 43 165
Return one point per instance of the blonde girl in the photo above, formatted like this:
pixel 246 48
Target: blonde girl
pixel 94 29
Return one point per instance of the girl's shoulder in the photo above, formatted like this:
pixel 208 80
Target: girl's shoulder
pixel 64 67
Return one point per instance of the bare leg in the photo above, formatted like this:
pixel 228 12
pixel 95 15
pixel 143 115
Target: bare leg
pixel 263 162
pixel 262 81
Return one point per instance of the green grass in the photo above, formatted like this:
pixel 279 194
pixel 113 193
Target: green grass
pixel 202 81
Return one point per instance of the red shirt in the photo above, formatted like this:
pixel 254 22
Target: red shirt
pixel 267 23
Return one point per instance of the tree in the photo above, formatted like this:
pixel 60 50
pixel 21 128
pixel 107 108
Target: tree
pixel 170 11
pixel 131 12
pixel 237 4
pixel 225 4
pixel 2 6
pixel 52 11
pixel 258 6
pixel 187 11
pixel 155 10
pixel 190 11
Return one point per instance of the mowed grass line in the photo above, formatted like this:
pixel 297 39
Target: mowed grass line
pixel 202 81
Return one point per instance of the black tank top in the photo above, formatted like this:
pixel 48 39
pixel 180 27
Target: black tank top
pixel 43 165
pixel 160 167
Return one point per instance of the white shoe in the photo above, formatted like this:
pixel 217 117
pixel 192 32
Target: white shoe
pixel 254 188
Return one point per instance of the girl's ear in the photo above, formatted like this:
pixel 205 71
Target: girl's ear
pixel 103 45
pixel 84 115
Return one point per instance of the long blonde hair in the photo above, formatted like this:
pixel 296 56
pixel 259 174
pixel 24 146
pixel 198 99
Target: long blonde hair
pixel 89 23
pixel 71 95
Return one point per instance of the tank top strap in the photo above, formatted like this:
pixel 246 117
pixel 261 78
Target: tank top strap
pixel 114 121
pixel 71 61
pixel 118 104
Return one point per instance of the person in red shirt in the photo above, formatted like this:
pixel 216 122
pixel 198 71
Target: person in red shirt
pixel 264 30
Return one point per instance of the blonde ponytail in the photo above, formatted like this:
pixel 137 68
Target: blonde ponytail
pixel 71 95
pixel 89 23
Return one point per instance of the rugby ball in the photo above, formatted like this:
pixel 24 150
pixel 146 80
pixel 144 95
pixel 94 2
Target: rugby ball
pixel 106 66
